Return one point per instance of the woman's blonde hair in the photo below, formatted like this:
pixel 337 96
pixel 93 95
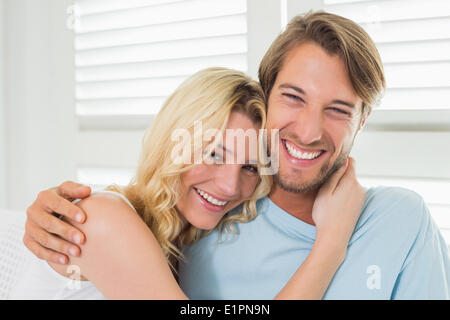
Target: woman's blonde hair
pixel 208 96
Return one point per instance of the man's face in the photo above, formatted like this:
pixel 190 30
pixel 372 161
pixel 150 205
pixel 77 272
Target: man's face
pixel 317 113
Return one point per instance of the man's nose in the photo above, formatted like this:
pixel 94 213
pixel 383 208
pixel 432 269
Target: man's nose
pixel 309 125
pixel 228 180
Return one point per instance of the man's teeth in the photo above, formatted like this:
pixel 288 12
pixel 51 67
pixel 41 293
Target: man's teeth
pixel 210 199
pixel 301 155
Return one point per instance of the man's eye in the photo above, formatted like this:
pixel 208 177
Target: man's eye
pixel 292 96
pixel 337 110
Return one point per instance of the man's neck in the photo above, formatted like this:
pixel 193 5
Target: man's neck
pixel 299 205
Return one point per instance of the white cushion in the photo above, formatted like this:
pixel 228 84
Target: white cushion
pixel 13 253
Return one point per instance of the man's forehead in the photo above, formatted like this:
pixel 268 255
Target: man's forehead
pixel 310 70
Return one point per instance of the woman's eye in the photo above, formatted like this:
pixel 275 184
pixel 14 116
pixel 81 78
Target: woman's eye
pixel 216 156
pixel 250 168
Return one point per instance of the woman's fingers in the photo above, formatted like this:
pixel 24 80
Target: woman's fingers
pixel 331 184
pixel 337 207
pixel 349 177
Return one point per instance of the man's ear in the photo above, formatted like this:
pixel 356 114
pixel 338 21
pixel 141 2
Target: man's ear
pixel 363 122
pixel 364 113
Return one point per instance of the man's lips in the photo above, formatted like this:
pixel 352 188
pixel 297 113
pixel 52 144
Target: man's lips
pixel 301 156
pixel 299 149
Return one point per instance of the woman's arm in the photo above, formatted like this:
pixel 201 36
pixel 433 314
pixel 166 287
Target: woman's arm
pixel 313 277
pixel 124 260
pixel 336 211
pixel 121 256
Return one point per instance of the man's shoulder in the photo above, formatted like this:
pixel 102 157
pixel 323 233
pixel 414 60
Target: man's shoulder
pixel 394 206
pixel 394 198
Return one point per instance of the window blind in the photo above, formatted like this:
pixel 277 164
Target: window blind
pixel 413 37
pixel 130 55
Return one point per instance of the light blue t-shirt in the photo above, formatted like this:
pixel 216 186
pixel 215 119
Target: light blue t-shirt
pixel 396 252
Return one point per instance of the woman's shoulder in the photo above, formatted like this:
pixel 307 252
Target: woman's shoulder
pixel 106 194
pixel 108 217
pixel 105 199
pixel 105 208
pixel 119 250
pixel 110 221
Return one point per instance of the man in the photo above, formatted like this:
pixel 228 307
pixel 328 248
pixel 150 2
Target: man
pixel 321 77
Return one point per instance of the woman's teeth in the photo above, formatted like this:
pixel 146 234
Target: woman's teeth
pixel 301 155
pixel 210 199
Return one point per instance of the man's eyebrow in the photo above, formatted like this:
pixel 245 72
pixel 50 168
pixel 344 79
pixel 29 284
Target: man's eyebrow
pixel 301 91
pixel 290 86
pixel 345 103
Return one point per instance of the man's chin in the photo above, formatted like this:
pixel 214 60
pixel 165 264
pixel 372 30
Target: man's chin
pixel 301 184
pixel 295 187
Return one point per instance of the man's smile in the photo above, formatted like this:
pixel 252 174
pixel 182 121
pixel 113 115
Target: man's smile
pixel 300 156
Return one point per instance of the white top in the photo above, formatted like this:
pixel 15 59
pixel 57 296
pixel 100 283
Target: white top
pixel 41 282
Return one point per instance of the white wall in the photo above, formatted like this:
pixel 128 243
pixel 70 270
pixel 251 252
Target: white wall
pixel 261 35
pixel 295 7
pixel 265 18
pixel 39 97
pixel 3 181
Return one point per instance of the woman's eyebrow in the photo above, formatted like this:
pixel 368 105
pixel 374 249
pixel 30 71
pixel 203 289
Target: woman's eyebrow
pixel 220 146
pixel 250 161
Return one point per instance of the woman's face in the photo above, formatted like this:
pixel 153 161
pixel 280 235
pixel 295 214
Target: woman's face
pixel 211 190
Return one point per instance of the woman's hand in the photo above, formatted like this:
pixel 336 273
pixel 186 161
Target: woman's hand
pixel 338 206
pixel 48 237
pixel 335 212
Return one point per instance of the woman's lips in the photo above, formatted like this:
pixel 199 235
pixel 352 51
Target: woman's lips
pixel 208 205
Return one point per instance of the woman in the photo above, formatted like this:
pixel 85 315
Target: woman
pixel 129 255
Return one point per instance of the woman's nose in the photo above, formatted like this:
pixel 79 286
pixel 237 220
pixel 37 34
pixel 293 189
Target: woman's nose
pixel 228 180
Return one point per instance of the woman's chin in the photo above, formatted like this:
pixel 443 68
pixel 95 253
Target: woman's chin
pixel 204 224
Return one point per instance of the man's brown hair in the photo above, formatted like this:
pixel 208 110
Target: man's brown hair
pixel 337 36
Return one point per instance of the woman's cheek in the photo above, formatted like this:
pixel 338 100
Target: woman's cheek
pixel 249 187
